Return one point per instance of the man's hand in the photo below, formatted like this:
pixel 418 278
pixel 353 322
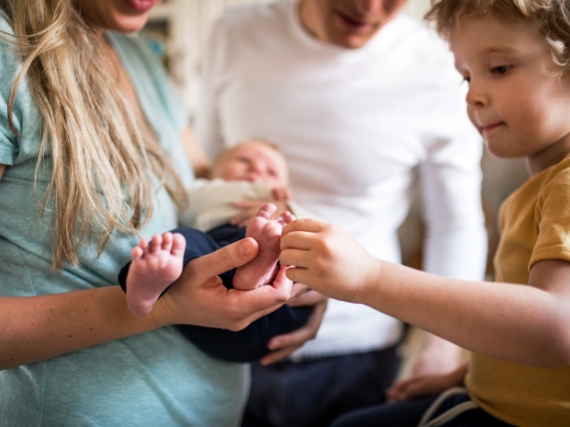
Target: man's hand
pixel 285 345
pixel 439 356
pixel 426 385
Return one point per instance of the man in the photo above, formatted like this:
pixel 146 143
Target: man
pixel 364 102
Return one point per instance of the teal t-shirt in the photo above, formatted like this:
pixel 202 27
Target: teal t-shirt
pixel 154 379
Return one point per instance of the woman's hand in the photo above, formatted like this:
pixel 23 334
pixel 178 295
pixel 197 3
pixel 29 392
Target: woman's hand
pixel 198 297
pixel 285 345
pixel 327 259
pixel 250 207
pixel 426 385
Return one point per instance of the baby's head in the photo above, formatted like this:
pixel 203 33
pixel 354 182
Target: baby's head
pixel 252 160
pixel 515 56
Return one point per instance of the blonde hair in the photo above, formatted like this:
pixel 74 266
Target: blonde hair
pixel 550 17
pixel 104 156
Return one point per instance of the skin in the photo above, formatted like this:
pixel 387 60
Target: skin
pixel 40 327
pixel 253 161
pixel 347 23
pixel 521 324
pixel 504 80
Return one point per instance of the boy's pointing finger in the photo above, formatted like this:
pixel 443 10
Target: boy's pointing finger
pixel 298 240
pixel 304 224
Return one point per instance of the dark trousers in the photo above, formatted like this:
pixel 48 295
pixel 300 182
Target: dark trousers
pixel 249 344
pixel 409 414
pixel 313 393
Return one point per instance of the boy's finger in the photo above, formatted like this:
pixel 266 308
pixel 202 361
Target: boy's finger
pixel 301 240
pixel 298 274
pixel 294 257
pixel 304 224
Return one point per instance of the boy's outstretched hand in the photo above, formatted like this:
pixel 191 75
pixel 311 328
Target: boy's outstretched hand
pixel 327 259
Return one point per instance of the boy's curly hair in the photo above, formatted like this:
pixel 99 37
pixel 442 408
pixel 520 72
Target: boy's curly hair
pixel 550 17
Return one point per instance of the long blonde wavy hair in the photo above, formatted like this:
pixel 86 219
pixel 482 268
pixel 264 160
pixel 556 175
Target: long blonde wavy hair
pixel 104 155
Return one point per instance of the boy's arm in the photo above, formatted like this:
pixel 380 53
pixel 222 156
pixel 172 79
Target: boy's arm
pixel 513 322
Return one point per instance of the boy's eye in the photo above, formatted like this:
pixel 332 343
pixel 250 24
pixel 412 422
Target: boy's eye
pixel 243 160
pixel 501 69
pixel 467 79
pixel 272 172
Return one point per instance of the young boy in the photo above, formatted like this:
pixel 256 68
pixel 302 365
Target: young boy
pixel 514 55
pixel 250 168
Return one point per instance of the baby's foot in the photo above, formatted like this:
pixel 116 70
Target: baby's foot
pixel 153 268
pixel 267 232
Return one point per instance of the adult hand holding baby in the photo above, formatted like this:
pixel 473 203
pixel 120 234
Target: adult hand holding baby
pixel 198 297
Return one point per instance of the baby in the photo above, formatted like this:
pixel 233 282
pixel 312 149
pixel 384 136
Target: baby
pixel 250 170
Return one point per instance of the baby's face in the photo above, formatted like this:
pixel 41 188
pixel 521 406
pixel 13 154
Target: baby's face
pixel 253 161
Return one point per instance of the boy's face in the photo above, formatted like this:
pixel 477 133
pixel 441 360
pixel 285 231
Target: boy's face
pixel 253 161
pixel 515 99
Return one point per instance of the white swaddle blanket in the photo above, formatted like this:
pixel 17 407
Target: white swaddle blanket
pixel 212 202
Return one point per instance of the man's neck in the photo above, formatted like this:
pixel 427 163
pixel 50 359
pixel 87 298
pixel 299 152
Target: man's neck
pixel 309 13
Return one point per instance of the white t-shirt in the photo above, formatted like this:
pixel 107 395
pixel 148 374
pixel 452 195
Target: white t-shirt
pixel 358 127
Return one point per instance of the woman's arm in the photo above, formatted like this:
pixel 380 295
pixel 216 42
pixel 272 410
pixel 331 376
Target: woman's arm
pixel 522 324
pixel 40 327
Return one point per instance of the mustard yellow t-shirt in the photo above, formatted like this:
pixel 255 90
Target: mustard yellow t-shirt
pixel 535 225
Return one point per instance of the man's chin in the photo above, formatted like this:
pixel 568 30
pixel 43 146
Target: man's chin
pixel 351 41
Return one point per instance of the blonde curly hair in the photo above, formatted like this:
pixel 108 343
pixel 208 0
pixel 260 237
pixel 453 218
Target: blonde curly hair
pixel 550 17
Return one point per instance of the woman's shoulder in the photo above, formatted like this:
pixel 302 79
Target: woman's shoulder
pixel 9 52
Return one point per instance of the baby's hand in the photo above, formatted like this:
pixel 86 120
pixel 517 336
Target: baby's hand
pixel 327 259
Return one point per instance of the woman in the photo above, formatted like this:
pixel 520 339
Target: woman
pixel 90 160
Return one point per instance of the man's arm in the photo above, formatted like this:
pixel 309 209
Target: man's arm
pixel 207 125
pixel 455 243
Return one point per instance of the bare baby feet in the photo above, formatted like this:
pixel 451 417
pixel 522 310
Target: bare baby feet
pixel 153 268
pixel 267 232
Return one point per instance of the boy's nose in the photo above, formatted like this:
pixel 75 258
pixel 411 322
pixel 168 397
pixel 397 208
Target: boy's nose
pixel 476 95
